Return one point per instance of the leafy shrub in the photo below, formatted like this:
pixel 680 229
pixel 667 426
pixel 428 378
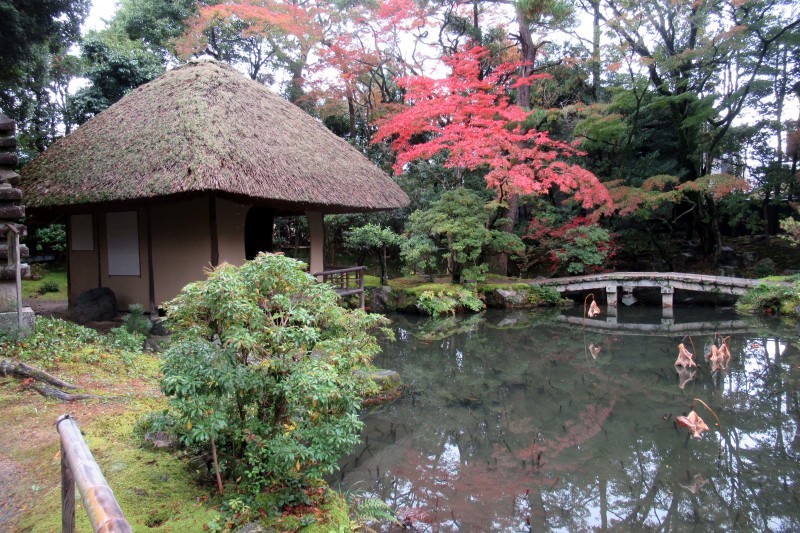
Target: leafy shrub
pixel 54 341
pixel 136 322
pixel 771 299
pixel 124 340
pixel 264 363
pixel 538 294
pixel 575 246
pixel 51 239
pixel 791 227
pixel 48 286
pixel 448 301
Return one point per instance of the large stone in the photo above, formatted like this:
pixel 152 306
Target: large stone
pixel 389 383
pixel 380 299
pixel 506 298
pixel 95 305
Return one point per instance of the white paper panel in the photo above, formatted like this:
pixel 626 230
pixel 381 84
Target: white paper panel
pixel 122 230
pixel 80 227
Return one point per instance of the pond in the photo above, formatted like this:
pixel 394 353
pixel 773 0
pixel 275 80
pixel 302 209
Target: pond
pixel 518 421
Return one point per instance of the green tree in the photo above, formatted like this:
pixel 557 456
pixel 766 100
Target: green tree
pixel 114 66
pixel 27 25
pixel 455 229
pixel 372 238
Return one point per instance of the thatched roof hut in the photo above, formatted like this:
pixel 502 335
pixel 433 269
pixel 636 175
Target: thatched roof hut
pixel 205 127
pixel 191 169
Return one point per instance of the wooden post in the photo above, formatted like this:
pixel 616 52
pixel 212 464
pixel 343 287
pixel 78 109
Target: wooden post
pixel 360 275
pixel 316 229
pixel 67 494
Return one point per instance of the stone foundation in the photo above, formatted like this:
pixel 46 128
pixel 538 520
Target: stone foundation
pixel 9 324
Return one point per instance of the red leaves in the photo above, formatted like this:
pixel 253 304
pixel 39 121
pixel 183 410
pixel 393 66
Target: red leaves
pixel 470 117
pixel 695 424
pixel 685 357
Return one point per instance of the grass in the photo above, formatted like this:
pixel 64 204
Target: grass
pixel 57 276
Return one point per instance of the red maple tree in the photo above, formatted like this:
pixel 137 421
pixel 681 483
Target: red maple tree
pixel 470 116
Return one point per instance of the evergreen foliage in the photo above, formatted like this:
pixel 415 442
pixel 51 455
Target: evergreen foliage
pixel 264 363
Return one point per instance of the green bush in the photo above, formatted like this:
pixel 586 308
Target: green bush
pixel 264 363
pixel 448 301
pixel 583 247
pixel 122 339
pixel 538 295
pixel 771 299
pixel 136 322
pixel 54 341
pixel 48 286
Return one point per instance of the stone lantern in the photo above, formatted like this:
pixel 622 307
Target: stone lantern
pixel 14 319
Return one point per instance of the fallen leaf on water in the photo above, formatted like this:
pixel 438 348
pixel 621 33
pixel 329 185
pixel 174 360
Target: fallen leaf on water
pixel 594 310
pixel 594 350
pixel 685 375
pixel 695 424
pixel 685 357
pixel 695 484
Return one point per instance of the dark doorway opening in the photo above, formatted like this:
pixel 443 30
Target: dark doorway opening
pixel 258 226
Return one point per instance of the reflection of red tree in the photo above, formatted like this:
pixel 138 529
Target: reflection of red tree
pixel 447 483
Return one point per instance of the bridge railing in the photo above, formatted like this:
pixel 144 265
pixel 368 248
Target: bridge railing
pixel 78 468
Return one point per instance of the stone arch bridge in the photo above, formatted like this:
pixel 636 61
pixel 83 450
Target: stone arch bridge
pixel 668 282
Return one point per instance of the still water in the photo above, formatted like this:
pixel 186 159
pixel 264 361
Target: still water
pixel 518 421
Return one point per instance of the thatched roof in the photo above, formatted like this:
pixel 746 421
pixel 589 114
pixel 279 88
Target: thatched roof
pixel 200 128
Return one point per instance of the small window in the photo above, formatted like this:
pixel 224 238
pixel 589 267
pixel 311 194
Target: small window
pixel 82 233
pixel 122 230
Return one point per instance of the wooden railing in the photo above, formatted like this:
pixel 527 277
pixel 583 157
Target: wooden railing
pixel 78 467
pixel 345 281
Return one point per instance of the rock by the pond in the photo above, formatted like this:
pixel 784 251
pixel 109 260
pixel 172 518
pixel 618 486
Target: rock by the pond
pixel 389 383
pixel 380 299
pixel 95 305
pixel 506 298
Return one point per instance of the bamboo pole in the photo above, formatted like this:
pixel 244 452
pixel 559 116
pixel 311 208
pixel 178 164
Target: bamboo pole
pixel 104 512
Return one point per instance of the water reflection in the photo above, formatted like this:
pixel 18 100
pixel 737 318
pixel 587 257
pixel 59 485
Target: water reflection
pixel 519 421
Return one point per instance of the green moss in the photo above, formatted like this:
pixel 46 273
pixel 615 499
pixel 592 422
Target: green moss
pixel 771 299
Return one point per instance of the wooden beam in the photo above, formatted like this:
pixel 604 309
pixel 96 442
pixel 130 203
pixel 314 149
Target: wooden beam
pixel 151 283
pixel 212 217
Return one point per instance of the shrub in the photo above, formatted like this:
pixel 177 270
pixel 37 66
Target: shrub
pixel 264 363
pixel 448 301
pixel 54 341
pixel 48 286
pixel 771 299
pixel 538 295
pixel 136 322
pixel 122 339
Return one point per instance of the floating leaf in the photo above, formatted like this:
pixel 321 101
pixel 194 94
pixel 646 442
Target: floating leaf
pixel 695 483
pixel 685 357
pixel 685 375
pixel 594 310
pixel 594 350
pixel 695 424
